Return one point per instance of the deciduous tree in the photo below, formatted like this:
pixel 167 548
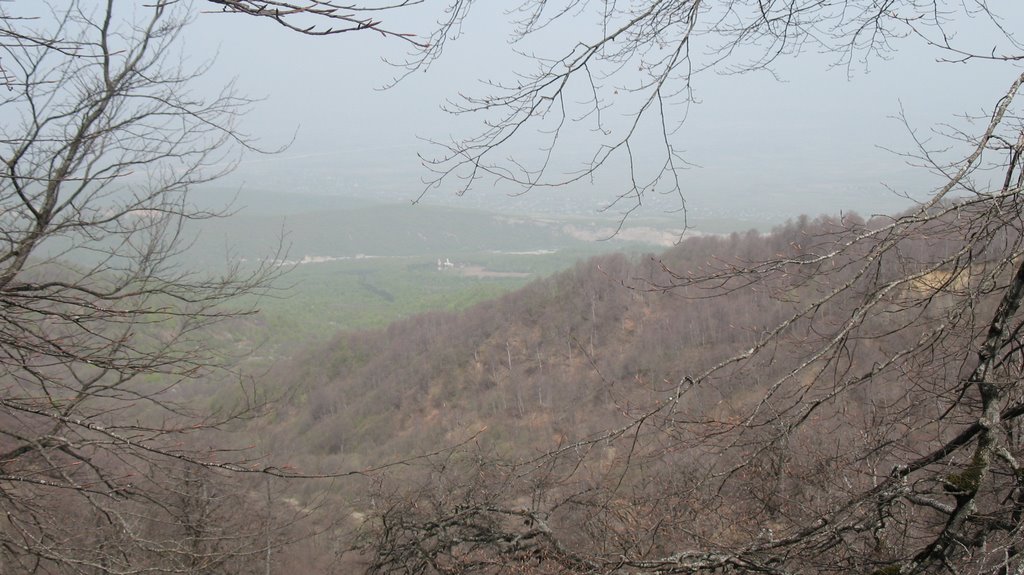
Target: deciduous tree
pixel 102 327
pixel 873 429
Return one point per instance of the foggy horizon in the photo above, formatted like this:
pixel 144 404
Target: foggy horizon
pixel 818 139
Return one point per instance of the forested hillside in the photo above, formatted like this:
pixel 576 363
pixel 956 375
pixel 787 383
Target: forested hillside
pixel 555 359
pixel 528 390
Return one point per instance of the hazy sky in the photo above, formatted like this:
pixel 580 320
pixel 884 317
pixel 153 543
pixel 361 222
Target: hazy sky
pixel 810 141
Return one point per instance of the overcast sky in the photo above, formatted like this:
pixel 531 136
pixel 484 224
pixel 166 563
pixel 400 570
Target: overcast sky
pixel 816 136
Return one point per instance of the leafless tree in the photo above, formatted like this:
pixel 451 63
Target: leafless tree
pixel 628 80
pixel 324 17
pixel 875 430
pixel 102 327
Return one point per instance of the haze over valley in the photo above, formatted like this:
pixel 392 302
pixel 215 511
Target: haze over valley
pixel 451 288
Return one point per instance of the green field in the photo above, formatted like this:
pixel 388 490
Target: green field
pixel 354 264
pixel 318 299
